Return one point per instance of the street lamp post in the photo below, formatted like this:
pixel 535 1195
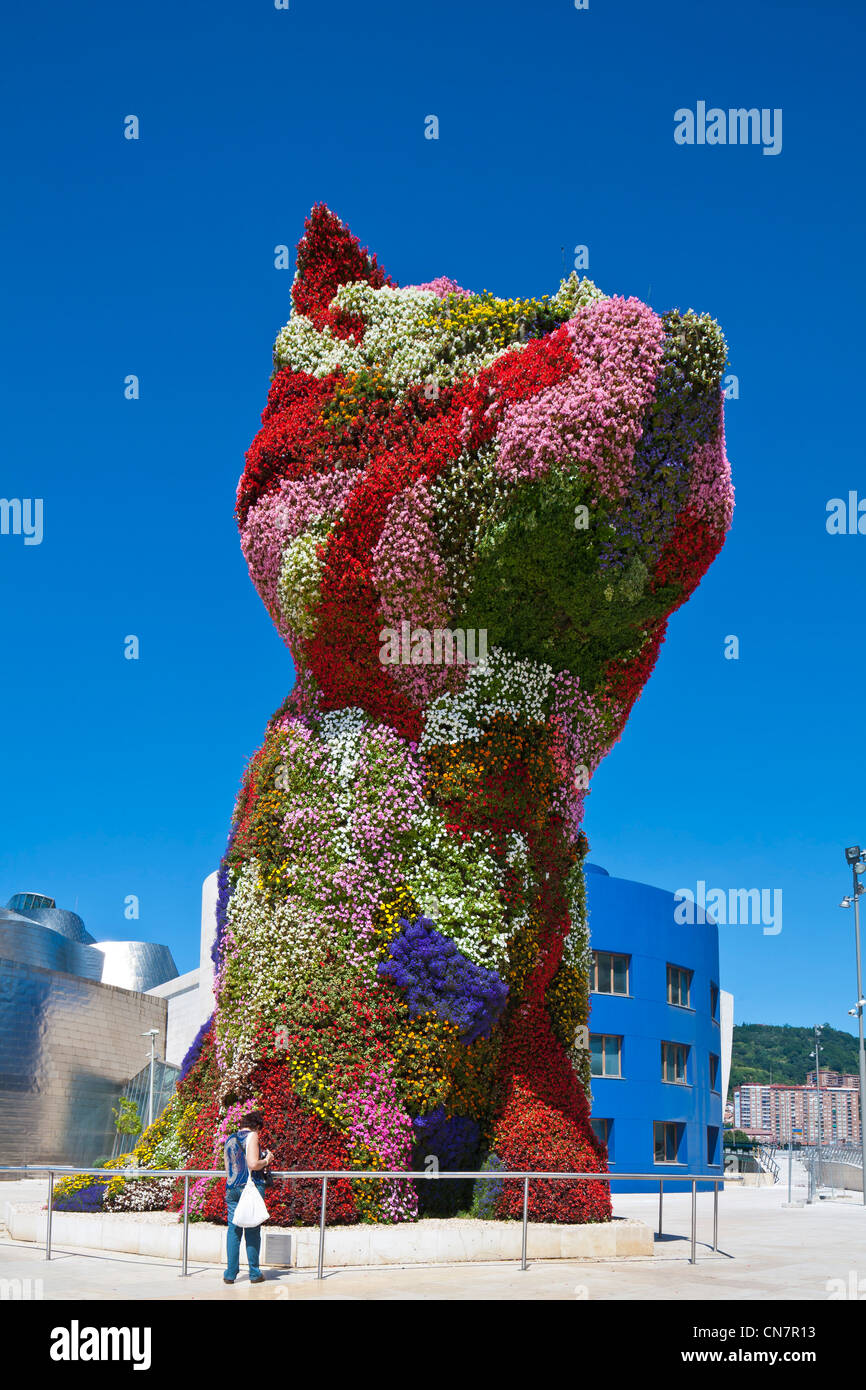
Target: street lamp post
pixel 817 1055
pixel 790 1149
pixel 855 859
pixel 151 1033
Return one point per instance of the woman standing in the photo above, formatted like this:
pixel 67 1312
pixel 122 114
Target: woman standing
pixel 242 1159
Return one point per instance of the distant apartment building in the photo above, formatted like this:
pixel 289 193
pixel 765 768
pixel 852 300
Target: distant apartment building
pixel 835 1078
pixel 770 1114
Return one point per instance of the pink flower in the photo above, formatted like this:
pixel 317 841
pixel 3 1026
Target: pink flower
pixel 442 286
pixel 593 419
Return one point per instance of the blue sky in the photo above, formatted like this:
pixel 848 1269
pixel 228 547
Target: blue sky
pixel 156 257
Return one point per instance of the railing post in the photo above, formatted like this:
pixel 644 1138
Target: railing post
pixel 694 1258
pixel 661 1203
pixel 322 1228
pixel 525 1220
pixel 185 1267
pixel 50 1214
pixel 715 1217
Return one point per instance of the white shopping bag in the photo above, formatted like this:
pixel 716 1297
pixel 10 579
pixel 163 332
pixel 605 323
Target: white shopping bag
pixel 251 1209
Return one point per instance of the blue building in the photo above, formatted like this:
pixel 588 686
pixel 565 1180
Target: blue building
pixel 660 1033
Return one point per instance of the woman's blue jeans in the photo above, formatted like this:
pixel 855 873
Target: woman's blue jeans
pixel 252 1237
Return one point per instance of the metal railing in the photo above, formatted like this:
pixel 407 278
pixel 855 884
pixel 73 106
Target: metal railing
pixel 766 1158
pixel 833 1153
pixel 498 1175
pixel 818 1158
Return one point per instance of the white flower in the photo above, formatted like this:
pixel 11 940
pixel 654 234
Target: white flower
pixel 505 684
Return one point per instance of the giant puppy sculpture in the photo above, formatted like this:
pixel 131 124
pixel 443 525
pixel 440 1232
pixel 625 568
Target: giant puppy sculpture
pixel 470 519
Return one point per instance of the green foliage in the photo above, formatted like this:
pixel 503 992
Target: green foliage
pixel 540 586
pixel 126 1117
pixel 765 1052
pixel 483 322
pixel 696 351
pixel 736 1136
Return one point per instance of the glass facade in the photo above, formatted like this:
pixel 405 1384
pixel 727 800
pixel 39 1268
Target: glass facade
pixel 138 1091
pixel 24 902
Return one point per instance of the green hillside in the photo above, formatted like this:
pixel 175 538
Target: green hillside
pixel 772 1052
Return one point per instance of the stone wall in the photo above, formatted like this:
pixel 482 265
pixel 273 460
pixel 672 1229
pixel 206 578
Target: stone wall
pixel 844 1175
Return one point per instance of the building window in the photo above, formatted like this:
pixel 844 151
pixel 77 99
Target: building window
pixel 712 1146
pixel 674 1062
pixel 714 1072
pixel 603 1130
pixel 25 902
pixel 666 1141
pixel 609 973
pixel 679 986
pixel 714 1002
pixel 605 1050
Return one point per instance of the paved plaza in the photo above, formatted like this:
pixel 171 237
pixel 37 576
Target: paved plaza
pixel 766 1251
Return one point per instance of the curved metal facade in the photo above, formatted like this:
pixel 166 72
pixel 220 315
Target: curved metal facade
pixel 139 965
pixel 54 939
pixel 67 924
pixel 33 944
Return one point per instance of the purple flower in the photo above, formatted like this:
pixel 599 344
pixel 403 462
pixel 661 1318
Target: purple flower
pixel 194 1050
pixel 438 978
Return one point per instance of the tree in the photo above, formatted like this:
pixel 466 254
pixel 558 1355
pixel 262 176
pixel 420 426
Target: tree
pixel 772 1053
pixel 736 1136
pixel 126 1117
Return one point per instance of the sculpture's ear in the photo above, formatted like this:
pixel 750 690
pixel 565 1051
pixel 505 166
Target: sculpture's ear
pixel 329 256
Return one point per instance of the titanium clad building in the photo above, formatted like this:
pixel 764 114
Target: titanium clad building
pixel 72 1015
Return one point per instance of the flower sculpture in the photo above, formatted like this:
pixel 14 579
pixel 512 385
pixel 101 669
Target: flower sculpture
pixel 470 519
